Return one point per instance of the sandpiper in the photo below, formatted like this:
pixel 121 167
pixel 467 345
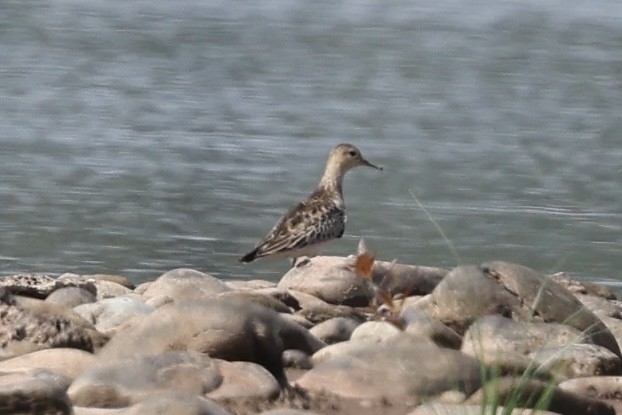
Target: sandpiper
pixel 321 217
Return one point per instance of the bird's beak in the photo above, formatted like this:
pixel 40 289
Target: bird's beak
pixel 367 163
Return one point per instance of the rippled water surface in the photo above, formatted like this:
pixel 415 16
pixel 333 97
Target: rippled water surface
pixel 141 136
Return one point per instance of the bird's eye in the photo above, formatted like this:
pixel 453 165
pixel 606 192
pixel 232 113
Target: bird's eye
pixel 352 153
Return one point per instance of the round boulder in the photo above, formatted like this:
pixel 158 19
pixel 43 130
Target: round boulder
pixel 419 323
pixel 578 360
pixel 335 330
pixel 526 393
pixel 374 331
pixel 65 361
pixel 407 279
pixel 34 392
pixel 244 380
pixel 112 312
pixel 176 403
pixel 596 387
pixel 503 341
pixel 123 382
pixel 223 329
pixel 28 324
pixel 400 366
pixel 71 297
pixel 183 283
pixel 465 294
pixel 515 291
pixel 316 310
pixel 329 278
pixel 551 302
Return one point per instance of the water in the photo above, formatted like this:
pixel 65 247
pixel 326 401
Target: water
pixel 142 136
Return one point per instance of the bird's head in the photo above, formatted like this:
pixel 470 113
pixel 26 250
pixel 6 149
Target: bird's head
pixel 347 156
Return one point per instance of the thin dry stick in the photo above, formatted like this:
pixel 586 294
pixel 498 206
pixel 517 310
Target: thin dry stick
pixel 454 253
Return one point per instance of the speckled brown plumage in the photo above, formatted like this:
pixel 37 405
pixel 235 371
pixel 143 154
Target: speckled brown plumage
pixel 316 220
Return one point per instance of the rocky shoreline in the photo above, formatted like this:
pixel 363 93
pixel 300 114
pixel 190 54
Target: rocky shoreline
pixel 399 339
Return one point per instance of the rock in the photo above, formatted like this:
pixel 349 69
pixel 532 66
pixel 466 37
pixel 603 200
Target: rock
pixel 67 362
pixel 609 312
pixel 104 285
pixel 123 382
pixel 583 287
pixel 183 283
pixel 284 296
pixel 31 285
pixel 454 409
pixel 600 306
pixel 175 403
pixel 578 360
pixel 406 279
pixel 222 329
pixel 388 369
pixel 374 331
pixel 329 279
pixel 109 289
pixel 44 308
pixel 615 327
pixel 550 301
pixel 80 410
pixel 143 287
pixel 469 292
pixel 40 285
pixel 27 325
pixel 117 279
pixel 596 387
pixel 419 323
pixel 286 411
pixel 34 392
pixel 498 340
pixel 335 330
pixel 249 285
pixel 450 397
pixel 110 313
pixel 49 310
pixel 341 349
pixel 528 392
pixel 70 297
pixel 298 319
pixel 244 380
pixel 256 298
pixel 317 310
pixel 159 300
pixel 297 359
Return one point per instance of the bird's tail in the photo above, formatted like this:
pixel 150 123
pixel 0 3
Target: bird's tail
pixel 250 257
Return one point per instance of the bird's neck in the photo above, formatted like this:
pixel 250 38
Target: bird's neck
pixel 332 180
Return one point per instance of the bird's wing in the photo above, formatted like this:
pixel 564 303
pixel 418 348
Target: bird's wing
pixel 310 222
